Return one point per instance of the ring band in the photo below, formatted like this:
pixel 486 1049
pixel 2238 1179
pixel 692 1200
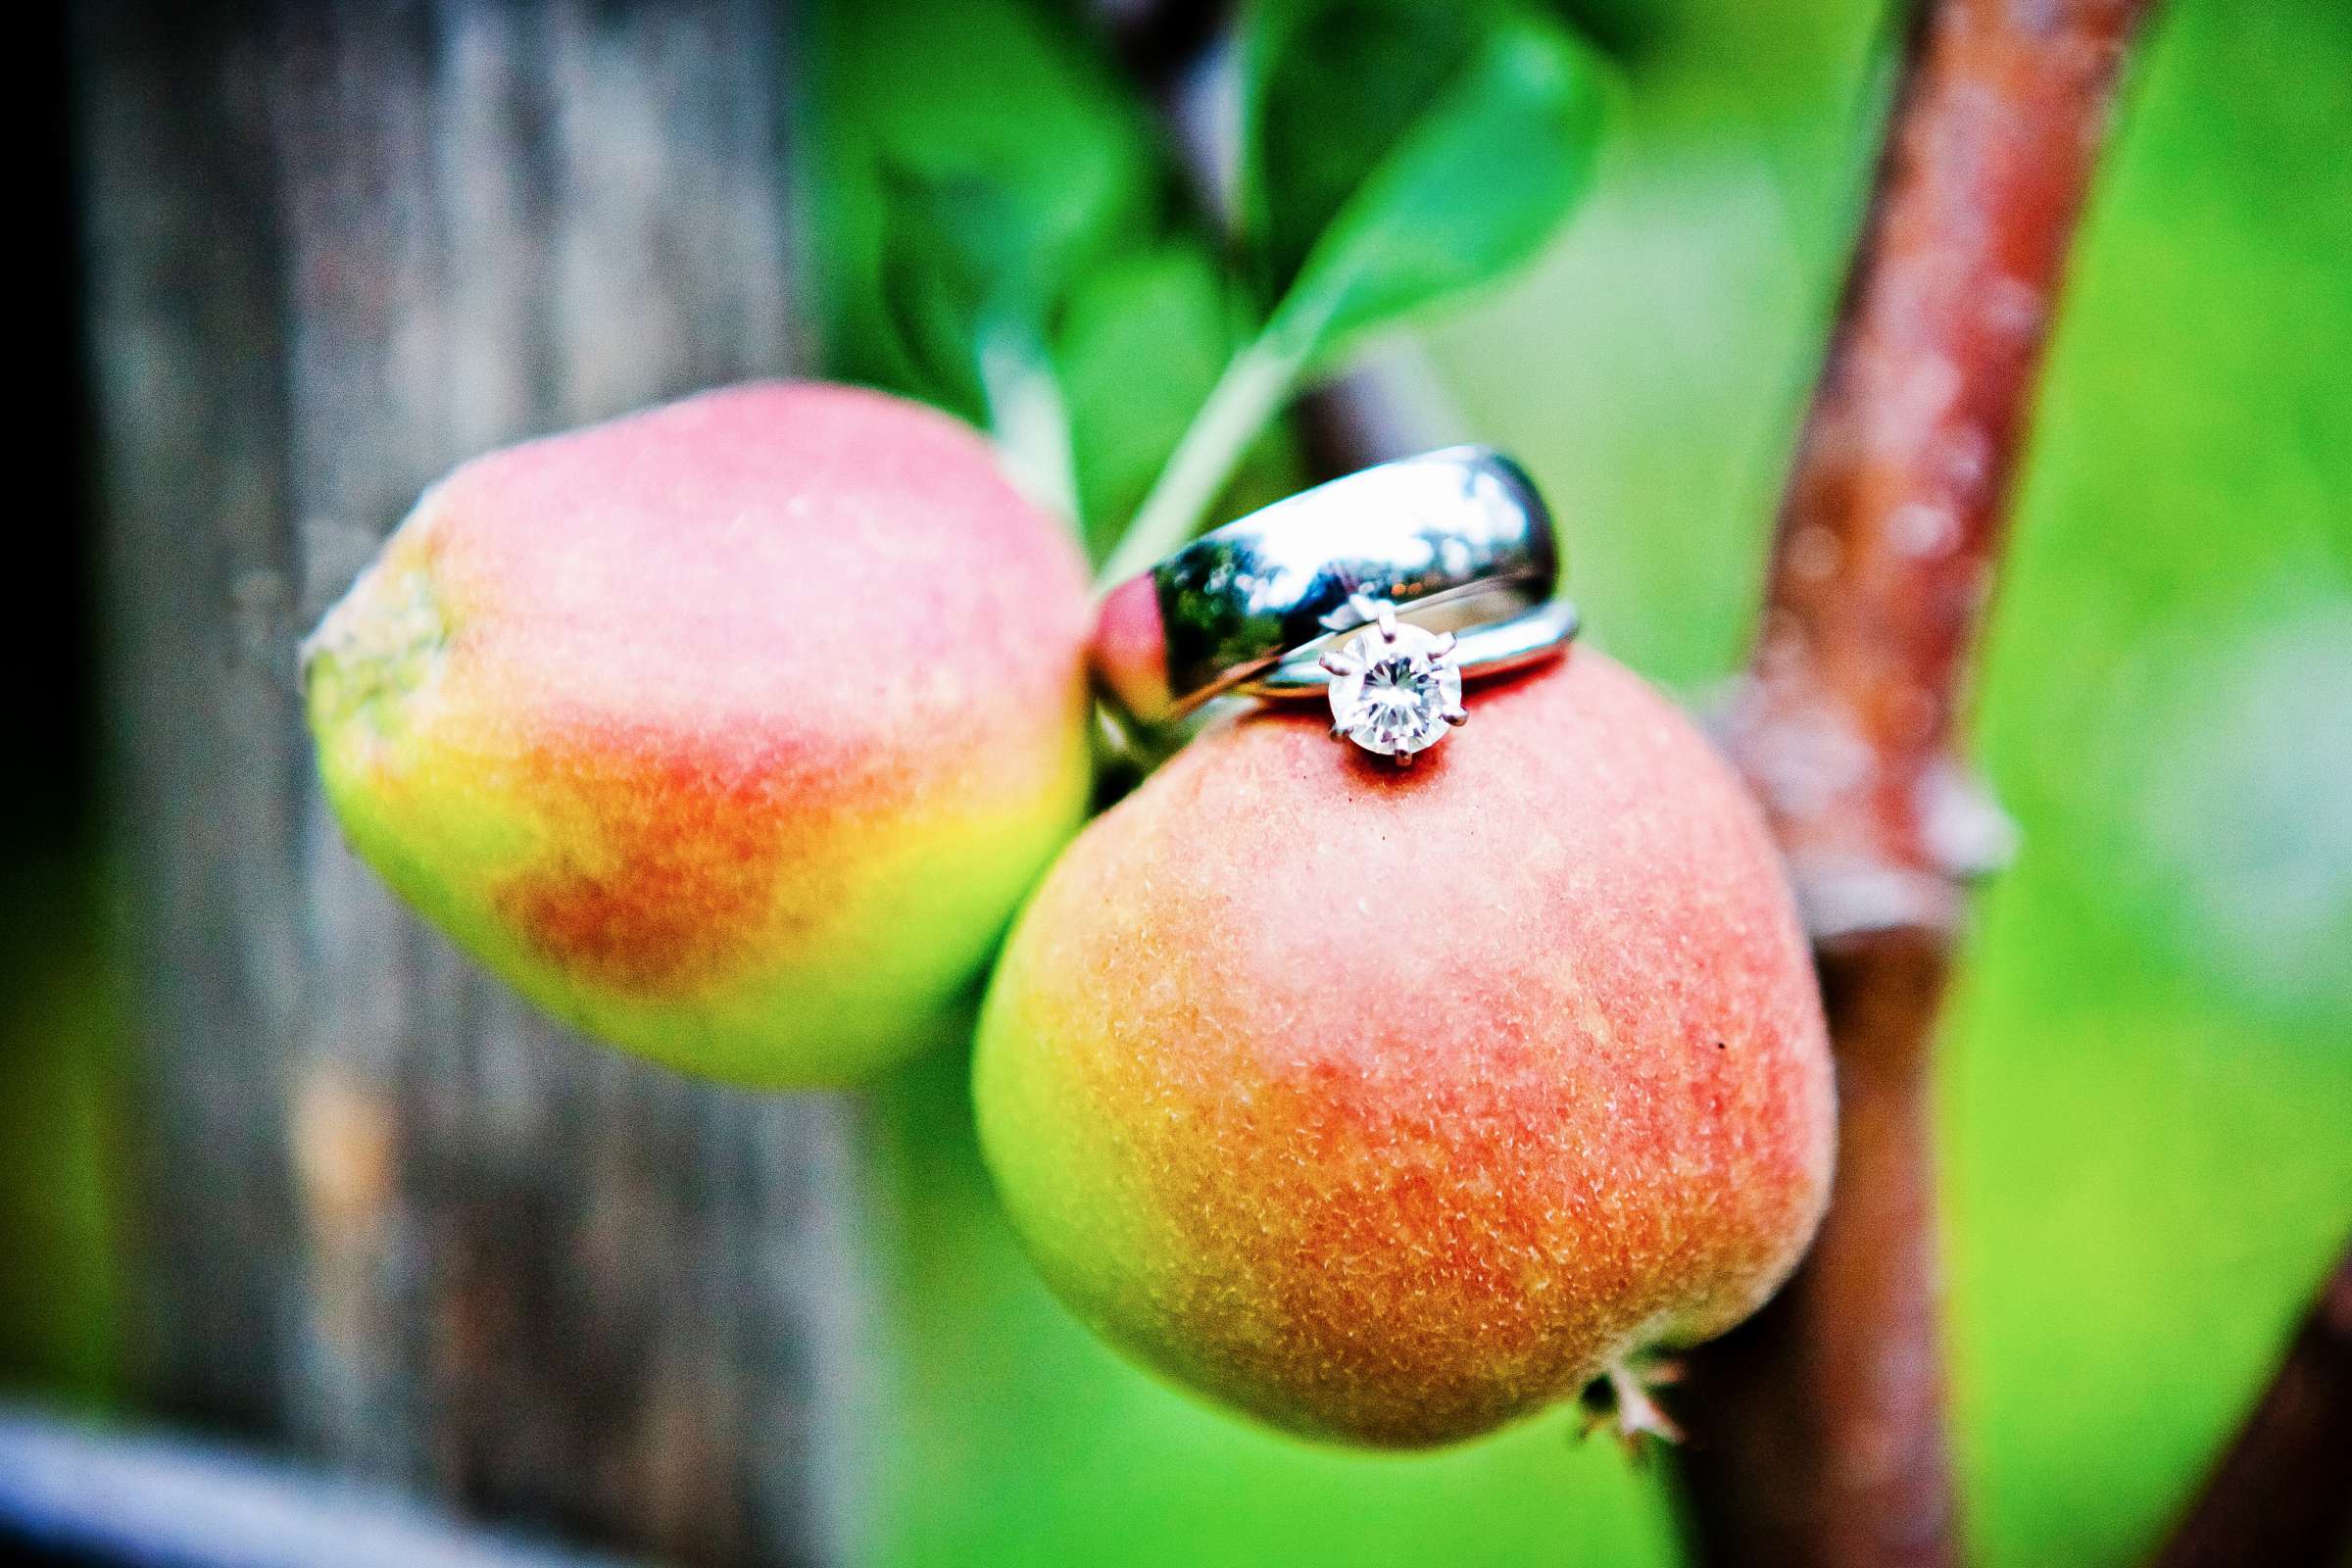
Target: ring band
pixel 1241 600
pixel 1481 653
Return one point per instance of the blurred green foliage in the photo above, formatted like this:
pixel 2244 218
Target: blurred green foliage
pixel 60 1030
pixel 1006 228
pixel 1395 153
pixel 2151 1092
pixel 1006 234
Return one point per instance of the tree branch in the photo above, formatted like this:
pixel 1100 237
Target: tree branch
pixel 1817 1429
pixel 2279 1494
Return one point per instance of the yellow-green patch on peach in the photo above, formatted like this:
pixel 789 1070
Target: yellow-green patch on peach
pixel 730 731
pixel 1389 1107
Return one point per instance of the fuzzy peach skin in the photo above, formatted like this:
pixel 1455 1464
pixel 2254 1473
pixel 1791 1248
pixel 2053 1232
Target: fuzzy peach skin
pixel 731 731
pixel 1391 1105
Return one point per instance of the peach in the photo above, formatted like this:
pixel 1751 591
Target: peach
pixel 1389 1107
pixel 730 731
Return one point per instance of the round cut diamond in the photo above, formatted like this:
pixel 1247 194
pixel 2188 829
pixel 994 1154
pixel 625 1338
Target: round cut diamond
pixel 1394 689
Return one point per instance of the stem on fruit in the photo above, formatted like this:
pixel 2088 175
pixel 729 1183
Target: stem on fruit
pixel 1252 389
pixel 1620 1399
pixel 1818 1428
pixel 2279 1495
pixel 1161 43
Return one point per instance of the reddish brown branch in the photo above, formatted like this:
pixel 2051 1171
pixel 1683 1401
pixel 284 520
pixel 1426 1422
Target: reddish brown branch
pixel 2282 1495
pixel 1819 1433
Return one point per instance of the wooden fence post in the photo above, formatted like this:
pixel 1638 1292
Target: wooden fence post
pixel 391 1215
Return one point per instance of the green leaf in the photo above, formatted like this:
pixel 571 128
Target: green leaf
pixel 969 260
pixel 1398 152
pixel 972 158
pixel 1395 153
pixel 1142 341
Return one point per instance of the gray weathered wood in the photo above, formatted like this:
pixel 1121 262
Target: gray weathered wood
pixel 392 1215
pixel 100 1499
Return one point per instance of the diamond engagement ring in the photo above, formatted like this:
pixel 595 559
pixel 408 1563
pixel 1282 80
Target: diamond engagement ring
pixel 1379 593
pixel 1396 689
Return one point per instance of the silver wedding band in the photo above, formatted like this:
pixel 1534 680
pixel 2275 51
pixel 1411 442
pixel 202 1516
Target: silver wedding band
pixel 1237 604
pixel 1481 653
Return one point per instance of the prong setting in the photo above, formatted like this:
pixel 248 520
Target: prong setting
pixel 1395 688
